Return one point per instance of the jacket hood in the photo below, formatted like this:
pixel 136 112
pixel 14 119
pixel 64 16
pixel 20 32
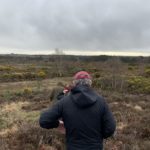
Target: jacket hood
pixel 83 96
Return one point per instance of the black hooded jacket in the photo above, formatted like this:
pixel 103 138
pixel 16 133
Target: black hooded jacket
pixel 86 117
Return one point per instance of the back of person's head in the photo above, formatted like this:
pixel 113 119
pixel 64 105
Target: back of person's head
pixel 82 78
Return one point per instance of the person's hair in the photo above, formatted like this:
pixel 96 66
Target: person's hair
pixel 85 81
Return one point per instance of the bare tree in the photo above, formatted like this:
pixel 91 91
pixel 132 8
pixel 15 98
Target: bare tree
pixel 115 66
pixel 59 61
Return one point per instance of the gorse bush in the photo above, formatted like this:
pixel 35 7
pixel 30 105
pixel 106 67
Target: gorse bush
pixel 133 67
pixel 147 72
pixel 22 76
pixel 6 68
pixel 135 84
pixel 138 84
pixel 27 91
pixel 41 74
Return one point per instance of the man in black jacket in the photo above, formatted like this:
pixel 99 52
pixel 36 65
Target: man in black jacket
pixel 86 116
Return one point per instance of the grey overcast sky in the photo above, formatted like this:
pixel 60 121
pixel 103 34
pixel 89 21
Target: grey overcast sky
pixel 100 25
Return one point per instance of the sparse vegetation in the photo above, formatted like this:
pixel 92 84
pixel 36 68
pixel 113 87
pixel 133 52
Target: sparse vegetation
pixel 147 71
pixel 27 81
pixel 138 84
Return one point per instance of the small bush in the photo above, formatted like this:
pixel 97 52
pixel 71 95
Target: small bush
pixel 5 76
pixel 27 91
pixel 18 76
pixel 132 67
pixel 147 72
pixel 7 95
pixel 138 84
pixel 29 76
pixel 41 74
pixel 6 68
pixel 96 75
pixel 109 83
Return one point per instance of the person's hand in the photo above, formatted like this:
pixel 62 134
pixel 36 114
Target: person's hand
pixel 61 127
pixel 65 91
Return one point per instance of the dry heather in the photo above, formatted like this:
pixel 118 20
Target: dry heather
pixel 29 136
pixel 133 120
pixel 124 82
pixel 20 129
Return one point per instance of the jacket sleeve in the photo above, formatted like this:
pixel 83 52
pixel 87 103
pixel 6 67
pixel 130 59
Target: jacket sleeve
pixel 49 118
pixel 108 122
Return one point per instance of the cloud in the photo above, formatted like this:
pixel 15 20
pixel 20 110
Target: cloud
pixel 79 25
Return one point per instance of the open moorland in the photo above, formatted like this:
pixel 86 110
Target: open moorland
pixel 26 83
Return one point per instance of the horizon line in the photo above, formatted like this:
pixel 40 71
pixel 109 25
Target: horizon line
pixel 76 53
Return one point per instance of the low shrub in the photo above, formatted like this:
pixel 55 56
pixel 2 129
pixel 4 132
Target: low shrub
pixel 96 75
pixel 27 91
pixel 7 95
pixel 109 83
pixel 147 72
pixel 18 76
pixel 6 68
pixel 31 137
pixel 138 84
pixel 132 67
pixel 41 74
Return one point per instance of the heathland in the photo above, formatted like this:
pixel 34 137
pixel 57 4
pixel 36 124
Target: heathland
pixel 26 83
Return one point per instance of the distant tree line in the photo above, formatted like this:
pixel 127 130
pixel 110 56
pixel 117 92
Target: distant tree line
pixel 52 58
